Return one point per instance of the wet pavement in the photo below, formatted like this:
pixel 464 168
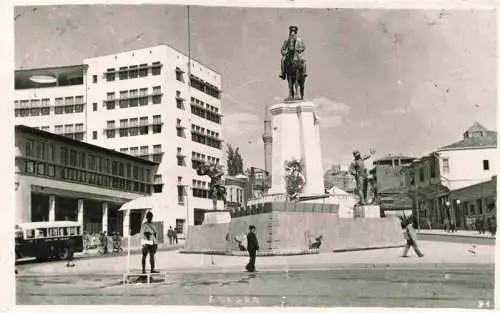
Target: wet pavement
pixel 467 286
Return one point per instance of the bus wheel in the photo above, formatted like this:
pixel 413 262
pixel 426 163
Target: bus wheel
pixel 63 253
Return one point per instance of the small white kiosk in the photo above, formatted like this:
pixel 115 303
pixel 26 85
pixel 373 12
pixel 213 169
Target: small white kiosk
pixel 154 203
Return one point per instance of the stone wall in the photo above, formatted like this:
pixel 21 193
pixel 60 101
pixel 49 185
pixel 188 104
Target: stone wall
pixel 281 230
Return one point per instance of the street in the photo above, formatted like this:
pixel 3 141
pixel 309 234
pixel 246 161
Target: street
pixel 466 286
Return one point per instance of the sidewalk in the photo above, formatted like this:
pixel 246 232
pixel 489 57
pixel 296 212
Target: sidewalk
pixel 459 233
pixel 94 253
pixel 437 254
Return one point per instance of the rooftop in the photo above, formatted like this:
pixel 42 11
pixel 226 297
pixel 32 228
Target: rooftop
pixel 49 77
pixel 477 136
pixel 42 133
pixel 394 157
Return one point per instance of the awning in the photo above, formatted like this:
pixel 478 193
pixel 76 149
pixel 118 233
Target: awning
pixel 155 202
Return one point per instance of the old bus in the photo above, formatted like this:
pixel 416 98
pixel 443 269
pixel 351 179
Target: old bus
pixel 46 240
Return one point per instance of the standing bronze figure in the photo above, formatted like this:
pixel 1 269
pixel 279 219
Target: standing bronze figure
pixel 358 170
pixel 293 64
pixel 217 189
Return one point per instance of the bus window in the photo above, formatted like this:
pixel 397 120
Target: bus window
pixel 30 233
pixel 62 231
pixel 52 232
pixel 42 232
pixel 72 231
pixel 78 230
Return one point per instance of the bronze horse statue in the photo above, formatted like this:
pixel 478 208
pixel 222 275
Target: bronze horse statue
pixel 217 189
pixel 294 70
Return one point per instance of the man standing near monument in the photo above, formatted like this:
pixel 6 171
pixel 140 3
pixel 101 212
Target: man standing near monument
pixel 358 170
pixel 293 44
pixel 252 248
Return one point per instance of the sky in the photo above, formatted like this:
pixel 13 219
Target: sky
pixel 398 81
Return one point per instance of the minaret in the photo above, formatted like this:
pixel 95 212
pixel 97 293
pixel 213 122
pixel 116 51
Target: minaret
pixel 268 141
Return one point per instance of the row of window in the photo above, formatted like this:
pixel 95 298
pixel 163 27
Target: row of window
pixel 131 72
pixel 238 196
pixel 204 87
pixel 210 138
pixel 208 112
pixel 133 98
pixel 202 131
pixel 80 160
pixel 197 159
pixel 45 102
pixel 41 168
pixel 37 107
pixel 431 170
pixel 134 126
pixel 144 152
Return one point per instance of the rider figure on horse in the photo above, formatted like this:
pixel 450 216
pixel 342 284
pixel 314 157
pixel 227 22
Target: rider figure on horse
pixel 291 45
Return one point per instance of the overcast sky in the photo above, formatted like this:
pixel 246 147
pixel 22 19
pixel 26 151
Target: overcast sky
pixel 401 81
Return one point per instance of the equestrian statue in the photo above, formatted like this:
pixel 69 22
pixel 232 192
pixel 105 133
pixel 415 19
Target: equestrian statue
pixel 293 64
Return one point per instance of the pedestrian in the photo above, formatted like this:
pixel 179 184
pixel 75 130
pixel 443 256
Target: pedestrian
pixel 149 243
pixel 484 227
pixel 478 226
pixel 445 224
pixel 411 239
pixel 170 235
pixel 71 251
pixel 174 235
pixel 252 248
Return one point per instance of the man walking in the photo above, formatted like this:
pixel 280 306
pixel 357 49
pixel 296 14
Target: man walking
pixel 411 238
pixel 149 243
pixel 252 247
pixel 170 235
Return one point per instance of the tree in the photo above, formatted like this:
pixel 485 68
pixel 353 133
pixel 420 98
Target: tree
pixel 234 161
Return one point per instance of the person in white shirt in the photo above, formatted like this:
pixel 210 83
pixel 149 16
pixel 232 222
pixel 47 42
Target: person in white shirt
pixel 149 243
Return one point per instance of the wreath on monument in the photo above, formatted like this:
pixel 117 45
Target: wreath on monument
pixel 294 178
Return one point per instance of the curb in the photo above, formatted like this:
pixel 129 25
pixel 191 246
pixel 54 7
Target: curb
pixel 124 253
pixel 370 248
pixel 457 236
pixel 290 268
pixel 259 253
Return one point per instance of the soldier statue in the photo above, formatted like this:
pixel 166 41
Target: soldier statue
pixel 358 170
pixel 293 63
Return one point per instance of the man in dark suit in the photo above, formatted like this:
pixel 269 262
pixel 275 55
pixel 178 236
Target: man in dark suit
pixel 252 247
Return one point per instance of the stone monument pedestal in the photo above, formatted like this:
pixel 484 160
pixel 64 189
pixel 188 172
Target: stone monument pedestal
pixel 367 211
pixel 292 227
pixel 295 135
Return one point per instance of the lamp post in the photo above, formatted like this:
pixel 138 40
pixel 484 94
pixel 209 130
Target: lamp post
pixel 458 208
pixel 186 187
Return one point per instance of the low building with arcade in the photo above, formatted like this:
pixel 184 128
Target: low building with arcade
pixel 58 178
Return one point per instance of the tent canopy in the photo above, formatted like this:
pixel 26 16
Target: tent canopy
pixel 154 202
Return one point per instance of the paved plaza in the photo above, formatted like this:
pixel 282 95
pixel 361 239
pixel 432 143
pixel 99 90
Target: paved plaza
pixel 447 276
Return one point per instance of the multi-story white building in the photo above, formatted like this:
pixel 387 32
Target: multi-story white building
pixel 153 102
pixel 434 179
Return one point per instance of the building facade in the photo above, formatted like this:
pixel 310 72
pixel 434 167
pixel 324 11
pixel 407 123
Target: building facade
pixel 390 183
pixel 339 177
pixel 58 178
pixel 154 103
pixel 434 178
pixel 236 187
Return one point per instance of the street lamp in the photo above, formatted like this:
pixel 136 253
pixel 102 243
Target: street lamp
pixel 187 207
